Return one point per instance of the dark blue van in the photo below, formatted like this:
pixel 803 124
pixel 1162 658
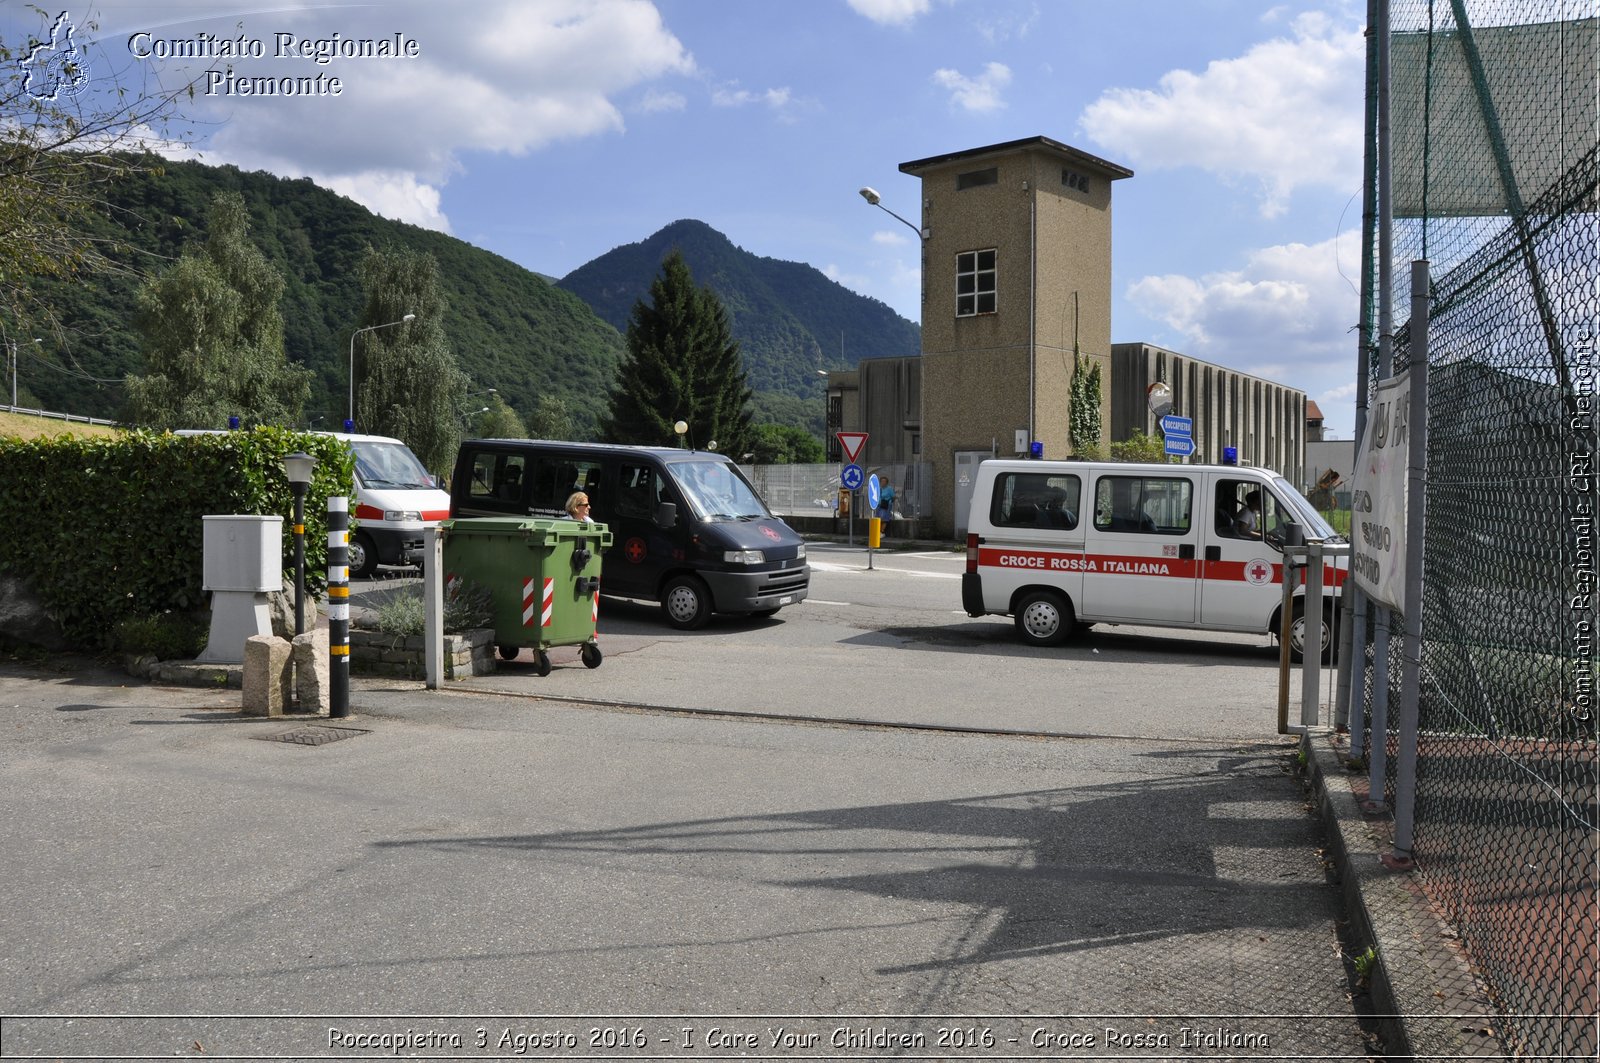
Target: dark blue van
pixel 688 530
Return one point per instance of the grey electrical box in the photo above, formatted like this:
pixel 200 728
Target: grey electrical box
pixel 242 553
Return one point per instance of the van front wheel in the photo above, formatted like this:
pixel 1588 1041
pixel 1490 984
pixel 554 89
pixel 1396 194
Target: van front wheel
pixel 363 556
pixel 1043 618
pixel 686 602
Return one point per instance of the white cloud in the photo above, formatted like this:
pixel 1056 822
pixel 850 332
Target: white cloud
pixel 510 78
pixel 890 238
pixel 891 12
pixel 979 94
pixel 655 101
pixel 393 195
pixel 776 99
pixel 1286 114
pixel 1288 313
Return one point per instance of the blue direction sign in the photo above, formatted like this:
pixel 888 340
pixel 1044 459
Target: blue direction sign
pixel 872 492
pixel 850 477
pixel 1182 446
pixel 1173 425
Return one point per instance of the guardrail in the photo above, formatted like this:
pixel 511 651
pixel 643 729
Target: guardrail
pixel 61 416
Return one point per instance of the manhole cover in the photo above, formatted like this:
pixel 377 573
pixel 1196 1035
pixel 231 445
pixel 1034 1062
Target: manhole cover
pixel 313 735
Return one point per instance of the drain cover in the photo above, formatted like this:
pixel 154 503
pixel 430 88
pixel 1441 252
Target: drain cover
pixel 313 735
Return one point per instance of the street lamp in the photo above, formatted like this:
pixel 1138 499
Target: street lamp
pixel 14 368
pixel 826 383
pixel 871 196
pixel 297 467
pixel 353 335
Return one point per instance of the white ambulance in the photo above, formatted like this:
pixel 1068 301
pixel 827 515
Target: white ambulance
pixel 1055 544
pixel 396 500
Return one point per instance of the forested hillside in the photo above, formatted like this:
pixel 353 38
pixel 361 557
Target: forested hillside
pixel 509 328
pixel 789 318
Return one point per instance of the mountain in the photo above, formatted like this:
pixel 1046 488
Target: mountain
pixel 509 328
pixel 790 319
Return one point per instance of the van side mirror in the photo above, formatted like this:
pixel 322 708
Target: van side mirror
pixel 666 514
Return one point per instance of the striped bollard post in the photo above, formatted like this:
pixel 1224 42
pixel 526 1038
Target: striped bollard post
pixel 338 606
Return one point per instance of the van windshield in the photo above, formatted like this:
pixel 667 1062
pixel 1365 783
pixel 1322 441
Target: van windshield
pixel 717 491
pixel 1317 526
pixel 389 465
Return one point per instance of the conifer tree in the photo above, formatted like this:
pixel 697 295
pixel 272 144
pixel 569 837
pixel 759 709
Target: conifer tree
pixel 682 364
pixel 212 336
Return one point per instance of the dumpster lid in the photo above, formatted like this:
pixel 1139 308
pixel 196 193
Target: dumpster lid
pixel 539 528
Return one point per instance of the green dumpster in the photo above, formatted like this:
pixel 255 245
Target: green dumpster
pixel 543 579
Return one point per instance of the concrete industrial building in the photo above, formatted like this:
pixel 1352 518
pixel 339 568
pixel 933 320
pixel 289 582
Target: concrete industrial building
pixel 1016 272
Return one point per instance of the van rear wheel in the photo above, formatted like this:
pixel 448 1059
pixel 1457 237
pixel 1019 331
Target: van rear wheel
pixel 1044 618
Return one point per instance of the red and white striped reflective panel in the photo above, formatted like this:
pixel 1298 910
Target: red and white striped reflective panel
pixel 594 609
pixel 549 600
pixel 527 603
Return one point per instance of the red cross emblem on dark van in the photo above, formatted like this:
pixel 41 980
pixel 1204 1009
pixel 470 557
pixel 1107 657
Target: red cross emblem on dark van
pixel 634 550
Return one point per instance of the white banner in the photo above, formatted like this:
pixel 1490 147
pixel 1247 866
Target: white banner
pixel 1378 500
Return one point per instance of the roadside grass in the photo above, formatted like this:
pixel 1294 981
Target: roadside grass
pixel 28 426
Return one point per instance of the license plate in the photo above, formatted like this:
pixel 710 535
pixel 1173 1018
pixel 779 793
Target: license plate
pixel 787 599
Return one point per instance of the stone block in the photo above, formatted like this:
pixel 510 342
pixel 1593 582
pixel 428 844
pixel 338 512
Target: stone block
pixel 267 676
pixel 310 657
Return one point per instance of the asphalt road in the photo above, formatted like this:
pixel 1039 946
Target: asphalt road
pixel 891 644
pixel 539 859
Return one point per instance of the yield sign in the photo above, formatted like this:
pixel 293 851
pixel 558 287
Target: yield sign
pixel 851 442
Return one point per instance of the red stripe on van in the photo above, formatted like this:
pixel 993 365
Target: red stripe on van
pixel 431 515
pixel 365 512
pixel 1105 564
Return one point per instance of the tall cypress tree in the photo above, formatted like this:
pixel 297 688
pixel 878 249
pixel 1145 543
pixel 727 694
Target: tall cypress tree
pixel 682 364
pixel 407 382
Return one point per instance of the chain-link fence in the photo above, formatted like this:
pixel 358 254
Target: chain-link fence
pixel 1494 174
pixel 813 490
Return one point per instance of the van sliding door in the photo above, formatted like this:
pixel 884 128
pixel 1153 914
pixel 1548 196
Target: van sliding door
pixel 1139 561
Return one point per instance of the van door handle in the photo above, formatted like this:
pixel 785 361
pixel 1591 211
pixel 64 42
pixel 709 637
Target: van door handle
pixel 1213 553
pixel 1186 551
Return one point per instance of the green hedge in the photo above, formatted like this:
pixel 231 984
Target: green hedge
pixel 108 529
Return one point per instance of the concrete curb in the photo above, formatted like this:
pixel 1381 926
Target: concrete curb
pixel 1430 1004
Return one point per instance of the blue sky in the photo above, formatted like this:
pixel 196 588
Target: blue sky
pixel 550 131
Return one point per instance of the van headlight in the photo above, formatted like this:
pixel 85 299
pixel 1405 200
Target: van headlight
pixel 394 516
pixel 744 557
pixel 800 554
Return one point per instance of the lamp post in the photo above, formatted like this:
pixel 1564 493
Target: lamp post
pixel 353 335
pixel 15 360
pixel 297 467
pixel 871 196
pixel 823 373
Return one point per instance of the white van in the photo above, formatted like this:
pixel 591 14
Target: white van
pixel 396 500
pixel 1060 543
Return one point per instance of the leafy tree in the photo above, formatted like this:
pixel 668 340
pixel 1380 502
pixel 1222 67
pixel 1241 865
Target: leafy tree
pixel 1139 447
pixel 785 445
pixel 406 379
pixel 212 336
pixel 67 133
pixel 1083 398
pixel 682 364
pixel 499 421
pixel 552 419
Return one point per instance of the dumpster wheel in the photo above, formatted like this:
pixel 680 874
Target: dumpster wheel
pixel 541 663
pixel 591 655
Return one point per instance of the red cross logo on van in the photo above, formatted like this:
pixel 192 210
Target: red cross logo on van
pixel 634 550
pixel 1258 572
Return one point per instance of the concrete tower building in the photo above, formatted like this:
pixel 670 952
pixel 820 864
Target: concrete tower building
pixel 1016 270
